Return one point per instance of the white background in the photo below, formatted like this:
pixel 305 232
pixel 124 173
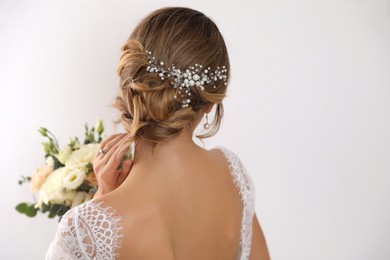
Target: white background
pixel 307 111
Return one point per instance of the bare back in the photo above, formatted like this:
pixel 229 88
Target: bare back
pixel 182 206
pixel 187 204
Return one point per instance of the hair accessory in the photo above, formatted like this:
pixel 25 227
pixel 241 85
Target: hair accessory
pixel 184 80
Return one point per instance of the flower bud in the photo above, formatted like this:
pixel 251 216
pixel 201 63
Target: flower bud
pixel 46 147
pixel 42 131
pixel 99 127
pixel 71 142
pixel 64 153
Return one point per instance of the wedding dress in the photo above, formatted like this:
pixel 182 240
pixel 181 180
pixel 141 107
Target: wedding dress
pixel 93 231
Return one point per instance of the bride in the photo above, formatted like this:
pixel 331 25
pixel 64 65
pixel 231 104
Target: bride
pixel 174 199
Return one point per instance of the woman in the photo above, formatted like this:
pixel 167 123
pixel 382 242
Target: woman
pixel 174 200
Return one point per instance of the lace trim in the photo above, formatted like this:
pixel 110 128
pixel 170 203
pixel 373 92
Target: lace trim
pixel 246 188
pixel 92 230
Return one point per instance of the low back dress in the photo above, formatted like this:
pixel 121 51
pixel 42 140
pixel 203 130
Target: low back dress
pixel 92 230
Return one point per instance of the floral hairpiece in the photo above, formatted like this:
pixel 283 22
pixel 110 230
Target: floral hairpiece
pixel 184 80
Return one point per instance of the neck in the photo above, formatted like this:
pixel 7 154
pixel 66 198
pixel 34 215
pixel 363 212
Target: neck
pixel 178 145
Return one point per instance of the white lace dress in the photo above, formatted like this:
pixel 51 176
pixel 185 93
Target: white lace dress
pixel 93 231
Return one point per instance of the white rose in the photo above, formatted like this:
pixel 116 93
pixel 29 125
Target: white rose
pixel 74 178
pixel 64 154
pixel 82 156
pixel 52 190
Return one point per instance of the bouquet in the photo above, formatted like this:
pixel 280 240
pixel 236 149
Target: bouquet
pixel 67 179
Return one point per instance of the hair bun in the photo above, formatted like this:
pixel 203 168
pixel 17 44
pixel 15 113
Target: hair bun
pixel 146 103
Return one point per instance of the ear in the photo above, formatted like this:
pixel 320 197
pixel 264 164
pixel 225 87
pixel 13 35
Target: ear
pixel 207 108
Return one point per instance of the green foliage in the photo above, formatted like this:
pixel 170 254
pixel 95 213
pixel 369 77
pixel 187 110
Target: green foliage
pixel 46 147
pixel 90 133
pixel 50 147
pixel 53 209
pixel 27 209
pixel 93 189
pixel 45 208
pixel 89 167
pixel 42 131
pixel 84 187
pixel 73 143
pixel 128 155
pixel 57 210
pixel 21 207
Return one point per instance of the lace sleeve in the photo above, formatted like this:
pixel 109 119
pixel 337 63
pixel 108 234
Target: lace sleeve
pixel 246 188
pixel 88 231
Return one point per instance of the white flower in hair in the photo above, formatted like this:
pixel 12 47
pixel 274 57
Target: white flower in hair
pixel 184 80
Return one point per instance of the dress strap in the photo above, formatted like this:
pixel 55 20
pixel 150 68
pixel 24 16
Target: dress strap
pixel 246 187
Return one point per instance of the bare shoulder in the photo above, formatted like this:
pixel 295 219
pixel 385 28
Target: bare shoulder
pixel 141 225
pixel 223 153
pixel 217 154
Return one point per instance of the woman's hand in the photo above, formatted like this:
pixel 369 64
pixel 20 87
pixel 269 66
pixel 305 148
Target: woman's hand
pixel 105 164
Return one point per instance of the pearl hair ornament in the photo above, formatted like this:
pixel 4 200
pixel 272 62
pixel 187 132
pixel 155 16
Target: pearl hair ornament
pixel 193 76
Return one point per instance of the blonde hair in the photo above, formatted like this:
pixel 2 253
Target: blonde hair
pixel 147 106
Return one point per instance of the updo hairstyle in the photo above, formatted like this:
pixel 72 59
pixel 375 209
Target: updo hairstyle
pixel 179 36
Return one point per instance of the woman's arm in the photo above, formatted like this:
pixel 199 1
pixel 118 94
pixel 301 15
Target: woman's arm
pixel 259 250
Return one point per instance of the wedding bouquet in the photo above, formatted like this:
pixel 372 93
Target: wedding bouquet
pixel 67 179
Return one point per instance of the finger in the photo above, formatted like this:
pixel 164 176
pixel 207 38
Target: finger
pixel 111 144
pixel 109 151
pixel 125 170
pixel 115 147
pixel 121 150
pixel 108 139
pixel 116 158
pixel 127 165
pixel 104 142
pixel 117 155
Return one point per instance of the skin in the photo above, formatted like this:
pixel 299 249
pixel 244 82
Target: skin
pixel 165 194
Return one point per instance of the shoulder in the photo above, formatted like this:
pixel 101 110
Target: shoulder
pixel 227 152
pixel 241 176
pixel 92 229
pixel 231 157
pixel 142 224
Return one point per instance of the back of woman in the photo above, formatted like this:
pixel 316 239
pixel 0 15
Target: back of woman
pixel 179 206
pixel 173 199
